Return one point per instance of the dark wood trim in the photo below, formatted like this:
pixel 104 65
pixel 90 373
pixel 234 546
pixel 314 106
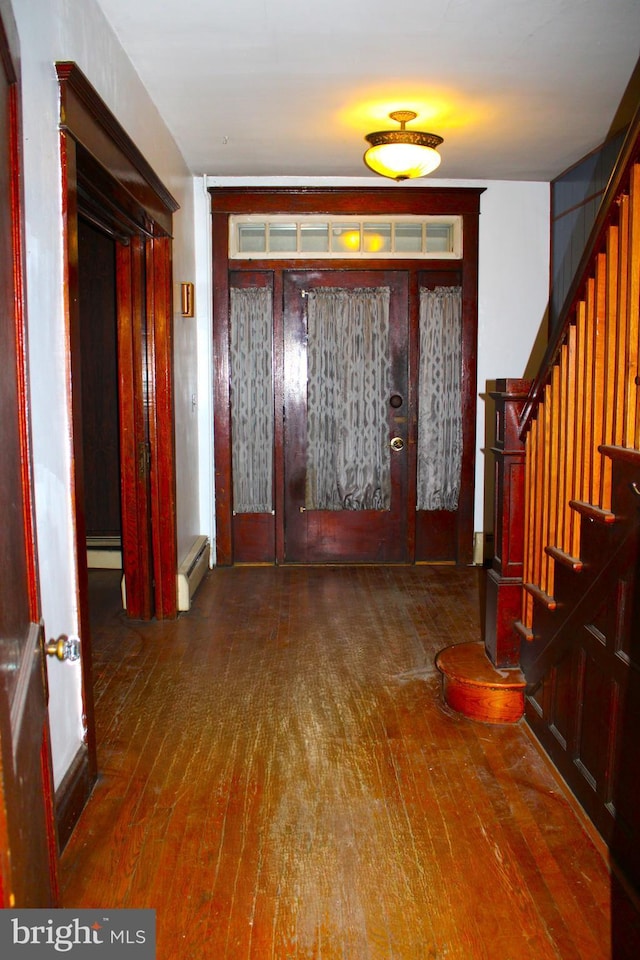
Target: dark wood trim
pixel 412 407
pixel 53 841
pixel 281 265
pixel 74 389
pixel 347 200
pixel 161 429
pixel 470 234
pixel 72 794
pixel 22 373
pixel 221 395
pixel 134 441
pixel 503 601
pixel 87 118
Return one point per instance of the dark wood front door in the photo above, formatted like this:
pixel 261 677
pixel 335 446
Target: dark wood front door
pixel 345 416
pixel 28 856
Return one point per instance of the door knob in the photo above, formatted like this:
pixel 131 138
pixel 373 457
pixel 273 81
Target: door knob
pixel 64 648
pixel 397 443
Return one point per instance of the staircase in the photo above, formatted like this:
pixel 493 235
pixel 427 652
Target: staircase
pixel 563 597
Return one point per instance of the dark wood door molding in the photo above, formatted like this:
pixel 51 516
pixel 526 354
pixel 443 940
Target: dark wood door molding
pixel 429 539
pixel 106 177
pixel 134 434
pixel 162 477
pixel 86 117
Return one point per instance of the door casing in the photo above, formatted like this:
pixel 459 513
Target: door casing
pixel 105 176
pixel 454 539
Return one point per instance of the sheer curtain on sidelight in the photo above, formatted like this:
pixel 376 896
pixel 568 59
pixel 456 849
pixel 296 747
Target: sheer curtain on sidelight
pixel 251 323
pixel 348 383
pixel 440 399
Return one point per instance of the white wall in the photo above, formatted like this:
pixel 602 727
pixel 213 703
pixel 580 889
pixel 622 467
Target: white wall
pixel 76 30
pixel 513 294
pixel 513 286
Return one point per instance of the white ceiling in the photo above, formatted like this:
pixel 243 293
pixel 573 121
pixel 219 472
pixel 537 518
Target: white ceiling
pixel 519 89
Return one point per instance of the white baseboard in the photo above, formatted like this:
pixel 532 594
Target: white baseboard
pixel 191 571
pixel 482 547
pixel 104 553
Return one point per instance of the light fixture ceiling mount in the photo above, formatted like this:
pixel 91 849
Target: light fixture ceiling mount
pixel 402 154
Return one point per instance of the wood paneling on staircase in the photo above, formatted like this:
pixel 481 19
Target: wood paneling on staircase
pixel 580 619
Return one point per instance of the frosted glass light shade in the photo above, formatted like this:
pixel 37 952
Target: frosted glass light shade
pixel 402 161
pixel 402 154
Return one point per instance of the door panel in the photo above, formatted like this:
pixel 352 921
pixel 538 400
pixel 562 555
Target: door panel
pixel 28 858
pixel 364 518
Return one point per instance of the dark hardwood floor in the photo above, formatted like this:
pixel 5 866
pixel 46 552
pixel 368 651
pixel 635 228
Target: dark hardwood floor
pixel 280 779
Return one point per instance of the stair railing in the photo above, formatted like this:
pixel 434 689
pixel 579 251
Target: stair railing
pixel 585 398
pixel 586 395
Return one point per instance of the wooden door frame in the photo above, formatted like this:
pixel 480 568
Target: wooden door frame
pixel 390 201
pixel 101 165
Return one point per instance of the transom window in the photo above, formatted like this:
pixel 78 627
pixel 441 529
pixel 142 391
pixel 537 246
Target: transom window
pixel 315 237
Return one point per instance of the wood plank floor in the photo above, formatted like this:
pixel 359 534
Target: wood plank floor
pixel 280 781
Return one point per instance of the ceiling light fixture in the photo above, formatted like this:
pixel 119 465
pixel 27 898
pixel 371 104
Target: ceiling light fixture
pixel 403 154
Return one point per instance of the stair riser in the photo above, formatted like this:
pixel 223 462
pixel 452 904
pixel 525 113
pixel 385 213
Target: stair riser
pixel 484 704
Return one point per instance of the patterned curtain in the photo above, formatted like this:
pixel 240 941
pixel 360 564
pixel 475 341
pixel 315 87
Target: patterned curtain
pixel 348 462
pixel 251 326
pixel 440 399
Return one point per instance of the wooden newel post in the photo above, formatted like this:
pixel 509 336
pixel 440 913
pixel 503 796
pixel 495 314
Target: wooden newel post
pixel 504 579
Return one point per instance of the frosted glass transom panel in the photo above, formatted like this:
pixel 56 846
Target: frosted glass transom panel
pixel 286 237
pixel 252 238
pixel 314 238
pixel 376 237
pixel 283 237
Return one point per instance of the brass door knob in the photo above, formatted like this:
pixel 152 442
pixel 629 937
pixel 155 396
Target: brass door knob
pixel 64 648
pixel 397 443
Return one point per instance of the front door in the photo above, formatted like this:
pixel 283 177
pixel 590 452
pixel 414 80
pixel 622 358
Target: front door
pixel 28 856
pixel 345 416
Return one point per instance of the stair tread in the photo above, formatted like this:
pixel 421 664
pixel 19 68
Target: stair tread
pixel 627 454
pixel 592 511
pixel 469 663
pixel 538 594
pixel 574 563
pixel 525 632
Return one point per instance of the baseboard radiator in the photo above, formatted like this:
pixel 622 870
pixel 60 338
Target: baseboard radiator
pixel 192 570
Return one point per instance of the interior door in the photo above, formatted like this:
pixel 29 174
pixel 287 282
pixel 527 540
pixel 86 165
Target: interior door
pixel 28 857
pixel 346 416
